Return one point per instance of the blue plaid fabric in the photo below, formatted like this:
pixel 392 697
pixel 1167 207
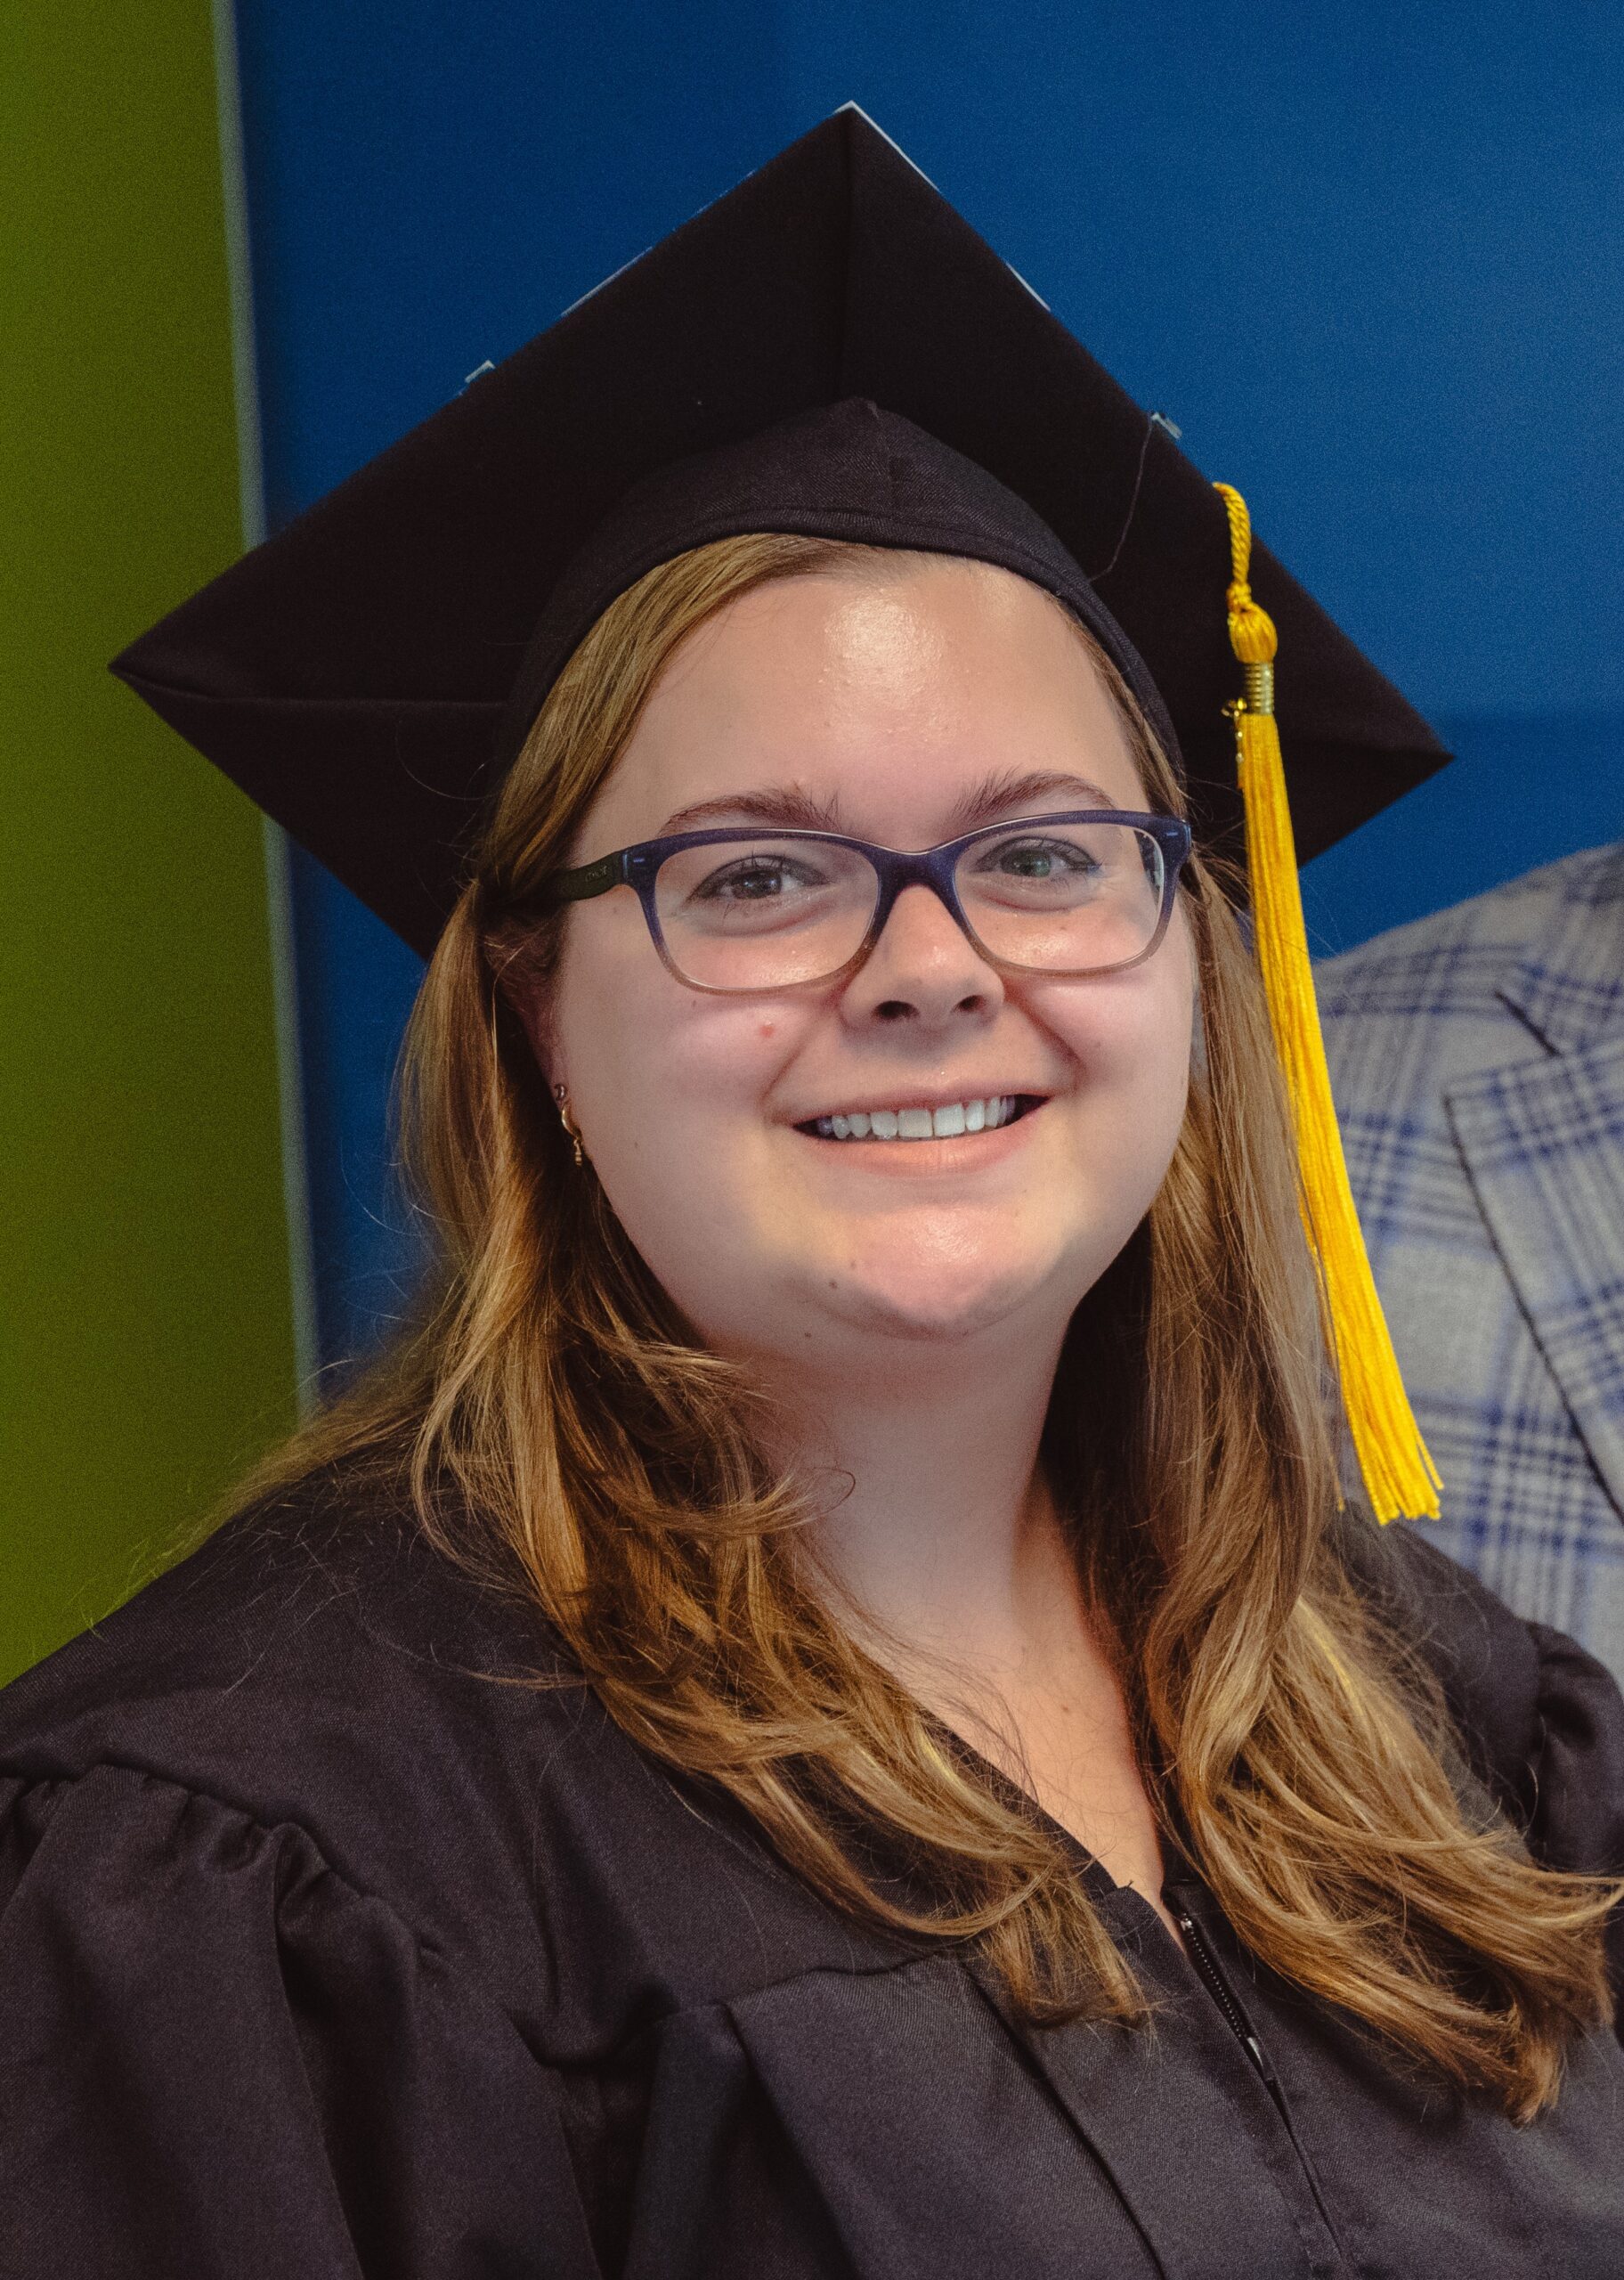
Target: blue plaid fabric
pixel 1477 1063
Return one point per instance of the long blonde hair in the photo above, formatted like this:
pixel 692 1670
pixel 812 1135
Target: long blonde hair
pixel 557 1423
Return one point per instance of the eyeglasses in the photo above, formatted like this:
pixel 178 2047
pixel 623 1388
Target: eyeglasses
pixel 748 909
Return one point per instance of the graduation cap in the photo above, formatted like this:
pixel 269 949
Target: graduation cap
pixel 829 349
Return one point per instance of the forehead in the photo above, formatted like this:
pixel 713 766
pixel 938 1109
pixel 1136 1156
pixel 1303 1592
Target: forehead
pixel 880 692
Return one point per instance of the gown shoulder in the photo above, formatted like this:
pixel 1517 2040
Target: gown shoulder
pixel 324 1886
pixel 320 1670
pixel 1541 1721
pixel 252 2025
pixel 316 1665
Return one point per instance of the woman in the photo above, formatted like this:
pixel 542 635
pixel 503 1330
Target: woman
pixel 819 1713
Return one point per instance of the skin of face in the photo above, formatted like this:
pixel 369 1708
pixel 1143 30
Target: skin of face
pixel 890 698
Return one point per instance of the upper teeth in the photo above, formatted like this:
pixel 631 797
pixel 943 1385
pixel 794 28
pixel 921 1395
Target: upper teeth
pixel 945 1123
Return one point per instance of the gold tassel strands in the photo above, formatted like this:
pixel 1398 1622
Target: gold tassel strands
pixel 1398 1474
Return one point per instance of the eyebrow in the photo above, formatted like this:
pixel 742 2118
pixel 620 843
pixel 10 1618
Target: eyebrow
pixel 783 804
pixel 995 795
pixel 794 810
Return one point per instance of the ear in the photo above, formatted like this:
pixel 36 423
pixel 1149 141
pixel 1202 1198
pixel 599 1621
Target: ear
pixel 524 993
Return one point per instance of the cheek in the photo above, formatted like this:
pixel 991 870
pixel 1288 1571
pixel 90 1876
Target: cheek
pixel 646 1059
pixel 1134 1031
pixel 677 1063
pixel 1130 1040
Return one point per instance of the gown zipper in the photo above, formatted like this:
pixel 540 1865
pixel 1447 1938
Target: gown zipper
pixel 1213 1979
pixel 1201 1956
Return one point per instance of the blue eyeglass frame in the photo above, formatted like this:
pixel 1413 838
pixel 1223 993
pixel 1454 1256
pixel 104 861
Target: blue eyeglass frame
pixel 638 868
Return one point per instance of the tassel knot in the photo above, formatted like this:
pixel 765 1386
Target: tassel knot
pixel 1252 634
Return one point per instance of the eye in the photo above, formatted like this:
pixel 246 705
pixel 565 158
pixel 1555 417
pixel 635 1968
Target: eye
pixel 1039 859
pixel 756 878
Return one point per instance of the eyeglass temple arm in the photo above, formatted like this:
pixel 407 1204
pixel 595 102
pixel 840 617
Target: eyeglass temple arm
pixel 591 879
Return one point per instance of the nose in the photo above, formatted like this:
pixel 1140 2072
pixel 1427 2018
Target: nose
pixel 924 969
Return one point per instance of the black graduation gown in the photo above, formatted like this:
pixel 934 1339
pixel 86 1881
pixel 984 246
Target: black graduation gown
pixel 325 1953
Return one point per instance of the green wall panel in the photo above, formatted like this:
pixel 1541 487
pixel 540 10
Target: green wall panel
pixel 146 1346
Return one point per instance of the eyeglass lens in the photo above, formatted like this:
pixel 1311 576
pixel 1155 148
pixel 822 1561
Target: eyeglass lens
pixel 766 913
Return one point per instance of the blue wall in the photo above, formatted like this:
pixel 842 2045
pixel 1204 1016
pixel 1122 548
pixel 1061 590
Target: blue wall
pixel 1369 266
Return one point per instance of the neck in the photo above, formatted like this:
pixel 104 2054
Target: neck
pixel 947 1543
pixel 950 1556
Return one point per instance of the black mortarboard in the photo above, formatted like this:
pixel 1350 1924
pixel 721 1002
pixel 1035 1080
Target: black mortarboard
pixel 366 674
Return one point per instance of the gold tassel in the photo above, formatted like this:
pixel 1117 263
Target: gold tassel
pixel 1398 1474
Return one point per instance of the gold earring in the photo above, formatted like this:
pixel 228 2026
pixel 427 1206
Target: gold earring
pixel 561 1095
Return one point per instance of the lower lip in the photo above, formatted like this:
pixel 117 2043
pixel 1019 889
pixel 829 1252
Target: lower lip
pixel 929 1159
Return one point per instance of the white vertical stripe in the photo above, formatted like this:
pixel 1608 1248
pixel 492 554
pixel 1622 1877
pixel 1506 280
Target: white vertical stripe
pixel 228 94
pixel 251 486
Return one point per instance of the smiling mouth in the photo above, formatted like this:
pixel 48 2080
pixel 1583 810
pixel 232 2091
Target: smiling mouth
pixel 951 1121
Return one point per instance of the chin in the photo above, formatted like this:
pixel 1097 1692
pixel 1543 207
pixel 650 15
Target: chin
pixel 928 1300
